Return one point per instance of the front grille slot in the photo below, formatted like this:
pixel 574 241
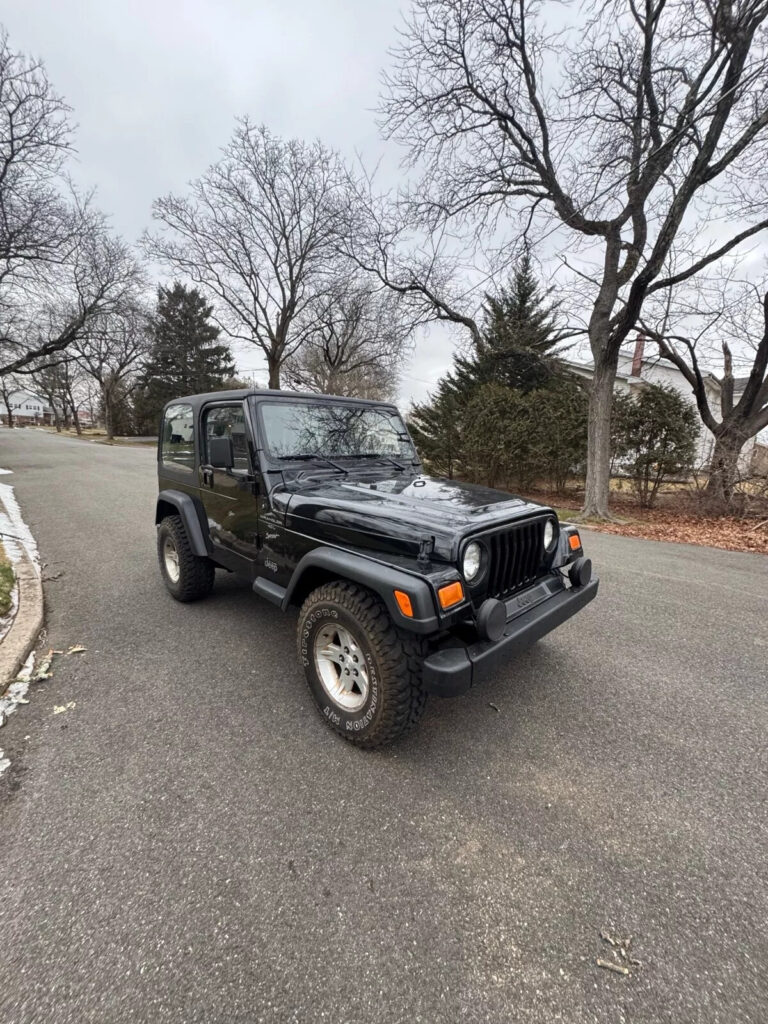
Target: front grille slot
pixel 517 557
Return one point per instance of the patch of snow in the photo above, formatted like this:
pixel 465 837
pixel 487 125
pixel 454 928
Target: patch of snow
pixel 3 471
pixel 14 532
pixel 17 691
pixel 15 694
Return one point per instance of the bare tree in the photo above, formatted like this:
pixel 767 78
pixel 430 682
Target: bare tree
pixel 35 139
pixel 257 232
pixel 70 378
pixel 46 316
pixel 357 346
pixel 59 264
pixel 112 352
pixel 736 326
pixel 633 123
pixel 8 385
pixel 47 384
pixel 381 236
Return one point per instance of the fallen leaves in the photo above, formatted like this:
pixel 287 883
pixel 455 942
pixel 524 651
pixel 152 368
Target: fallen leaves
pixel 621 961
pixel 726 532
pixel 609 965
pixel 16 691
pixel 59 709
pixel 679 522
pixel 44 668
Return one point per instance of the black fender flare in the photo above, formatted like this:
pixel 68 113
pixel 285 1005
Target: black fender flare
pixel 376 576
pixel 187 508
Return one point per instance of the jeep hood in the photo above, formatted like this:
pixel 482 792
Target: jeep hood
pixel 396 513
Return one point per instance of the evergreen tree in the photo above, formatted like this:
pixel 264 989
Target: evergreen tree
pixel 654 437
pixel 437 427
pixel 485 420
pixel 520 337
pixel 185 357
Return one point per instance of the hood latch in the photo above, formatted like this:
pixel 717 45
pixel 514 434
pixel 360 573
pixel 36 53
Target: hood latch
pixel 426 547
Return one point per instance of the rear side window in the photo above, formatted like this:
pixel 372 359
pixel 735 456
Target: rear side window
pixel 228 421
pixel 178 436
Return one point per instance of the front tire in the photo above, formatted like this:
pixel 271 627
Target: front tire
pixel 364 674
pixel 187 576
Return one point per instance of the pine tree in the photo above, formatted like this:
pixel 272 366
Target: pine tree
pixel 484 420
pixel 185 358
pixel 520 337
pixel 437 427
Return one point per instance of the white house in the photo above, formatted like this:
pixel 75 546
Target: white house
pixel 636 369
pixel 26 408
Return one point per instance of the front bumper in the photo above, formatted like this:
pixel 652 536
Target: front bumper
pixel 453 670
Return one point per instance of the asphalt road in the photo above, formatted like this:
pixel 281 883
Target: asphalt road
pixel 189 843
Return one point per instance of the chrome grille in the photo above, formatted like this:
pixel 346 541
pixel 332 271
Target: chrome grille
pixel 517 557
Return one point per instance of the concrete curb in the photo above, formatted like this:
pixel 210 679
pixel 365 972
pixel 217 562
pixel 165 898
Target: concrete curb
pixel 26 626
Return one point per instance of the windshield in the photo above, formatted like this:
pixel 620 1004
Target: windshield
pixel 301 429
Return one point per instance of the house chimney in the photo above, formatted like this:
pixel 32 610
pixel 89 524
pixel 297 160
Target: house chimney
pixel 637 358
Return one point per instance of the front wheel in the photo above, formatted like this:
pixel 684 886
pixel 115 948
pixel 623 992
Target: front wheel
pixel 364 674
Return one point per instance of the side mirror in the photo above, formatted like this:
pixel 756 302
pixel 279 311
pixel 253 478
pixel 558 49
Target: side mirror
pixel 221 454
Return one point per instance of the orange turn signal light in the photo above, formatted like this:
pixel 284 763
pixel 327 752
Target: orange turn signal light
pixel 451 594
pixel 404 603
pixel 574 541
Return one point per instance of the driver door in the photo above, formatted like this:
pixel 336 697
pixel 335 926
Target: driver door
pixel 228 495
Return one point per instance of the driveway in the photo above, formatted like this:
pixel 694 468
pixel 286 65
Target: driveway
pixel 190 844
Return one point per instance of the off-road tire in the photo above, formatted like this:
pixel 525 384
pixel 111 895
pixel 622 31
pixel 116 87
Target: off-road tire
pixel 196 575
pixel 396 698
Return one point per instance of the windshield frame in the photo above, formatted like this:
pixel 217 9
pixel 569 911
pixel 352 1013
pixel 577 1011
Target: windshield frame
pixel 297 462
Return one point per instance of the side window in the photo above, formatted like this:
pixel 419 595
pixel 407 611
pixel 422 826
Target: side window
pixel 228 421
pixel 178 437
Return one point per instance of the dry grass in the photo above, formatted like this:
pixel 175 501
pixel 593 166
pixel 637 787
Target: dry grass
pixel 7 580
pixel 71 432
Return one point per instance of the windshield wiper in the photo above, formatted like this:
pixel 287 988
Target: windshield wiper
pixel 379 458
pixel 313 456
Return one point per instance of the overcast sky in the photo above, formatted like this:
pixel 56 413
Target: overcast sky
pixel 155 88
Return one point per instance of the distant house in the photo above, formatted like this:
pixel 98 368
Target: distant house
pixel 635 370
pixel 27 409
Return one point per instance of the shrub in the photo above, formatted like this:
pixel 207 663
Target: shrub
pixel 654 437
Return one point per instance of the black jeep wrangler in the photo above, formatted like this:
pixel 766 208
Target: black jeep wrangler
pixel 406 585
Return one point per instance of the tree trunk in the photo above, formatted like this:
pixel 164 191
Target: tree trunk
pixel 599 440
pixel 7 401
pixel 76 420
pixel 109 424
pixel 274 374
pixel 724 469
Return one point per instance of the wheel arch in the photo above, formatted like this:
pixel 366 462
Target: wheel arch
pixel 177 503
pixel 326 565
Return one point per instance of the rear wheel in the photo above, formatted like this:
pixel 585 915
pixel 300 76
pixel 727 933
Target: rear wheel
pixel 364 674
pixel 187 576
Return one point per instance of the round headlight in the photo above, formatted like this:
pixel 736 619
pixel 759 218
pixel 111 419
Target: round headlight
pixel 471 564
pixel 549 534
